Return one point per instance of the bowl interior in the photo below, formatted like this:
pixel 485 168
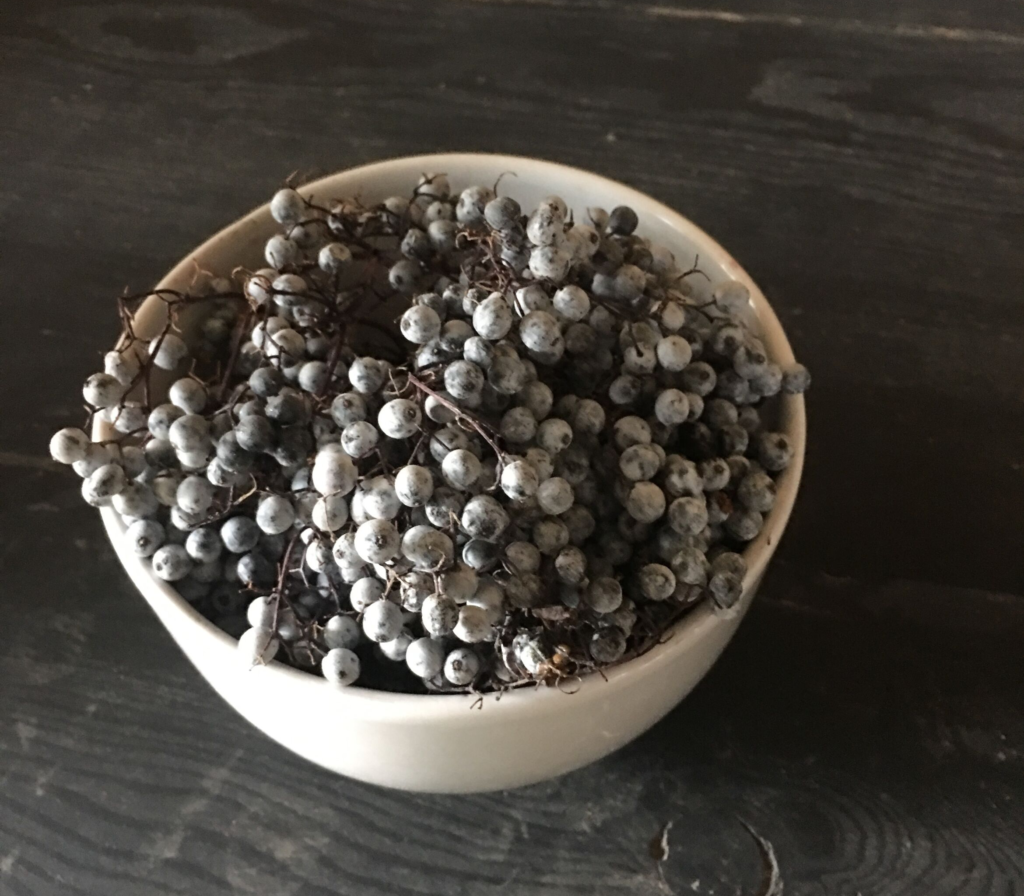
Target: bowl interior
pixel 528 181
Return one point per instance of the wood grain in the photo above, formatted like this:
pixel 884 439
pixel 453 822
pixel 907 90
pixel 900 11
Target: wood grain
pixel 864 161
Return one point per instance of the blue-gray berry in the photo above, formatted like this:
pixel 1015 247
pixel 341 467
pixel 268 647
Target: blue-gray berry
pixel 462 666
pixel 171 563
pixel 144 537
pixel 774 451
pixel 340 666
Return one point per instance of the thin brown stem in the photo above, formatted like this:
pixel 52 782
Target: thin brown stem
pixel 477 425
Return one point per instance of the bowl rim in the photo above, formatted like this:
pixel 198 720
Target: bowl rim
pixel 691 628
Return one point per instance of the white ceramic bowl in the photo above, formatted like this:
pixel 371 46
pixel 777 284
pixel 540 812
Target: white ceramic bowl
pixel 441 743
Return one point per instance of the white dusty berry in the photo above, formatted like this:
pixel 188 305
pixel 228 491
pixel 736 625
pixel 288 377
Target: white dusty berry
pixel 427 548
pixel 439 615
pixel 340 666
pixel 492 318
pixel 474 625
pixel 519 480
pixel 425 658
pixel 341 631
pixel 420 324
pixel 399 419
pixel 414 485
pixel 377 541
pixel 334 257
pixel 69 445
pixel 461 666
pixel 333 473
pixel 603 595
pixel 257 647
pixel 382 621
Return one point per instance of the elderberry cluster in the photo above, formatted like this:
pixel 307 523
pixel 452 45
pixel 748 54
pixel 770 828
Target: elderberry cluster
pixel 553 447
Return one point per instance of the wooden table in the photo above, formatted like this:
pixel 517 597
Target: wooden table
pixel 864 160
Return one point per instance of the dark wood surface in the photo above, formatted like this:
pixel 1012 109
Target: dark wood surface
pixel 863 159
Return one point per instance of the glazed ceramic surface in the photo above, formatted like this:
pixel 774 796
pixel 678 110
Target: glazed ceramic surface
pixel 451 743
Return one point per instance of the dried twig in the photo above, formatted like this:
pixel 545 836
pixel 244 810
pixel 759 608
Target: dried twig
pixel 461 414
pixel 772 876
